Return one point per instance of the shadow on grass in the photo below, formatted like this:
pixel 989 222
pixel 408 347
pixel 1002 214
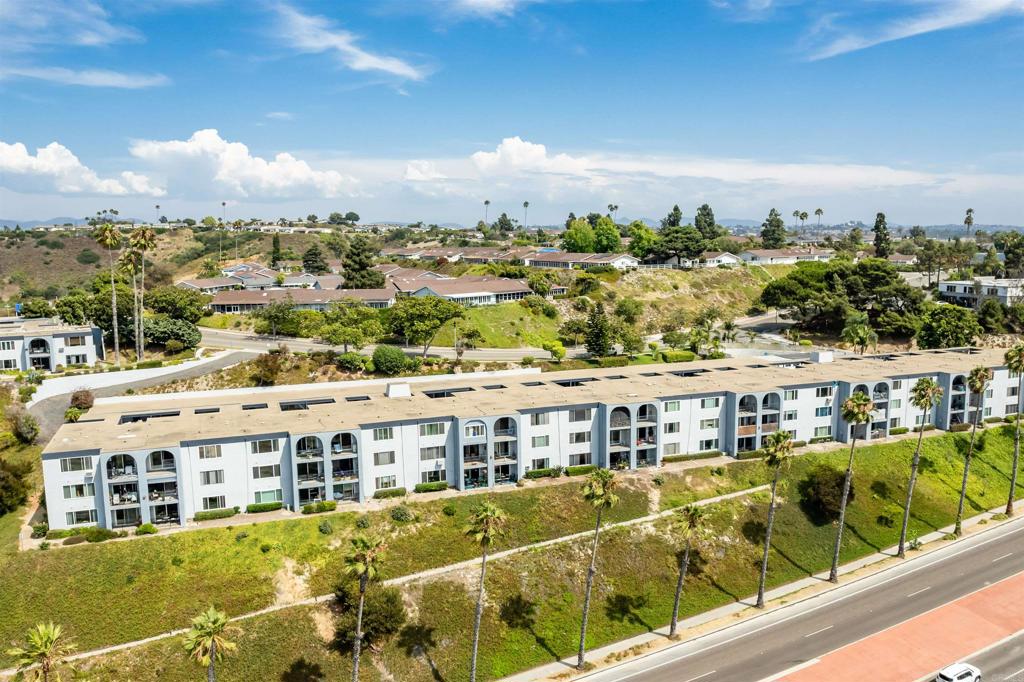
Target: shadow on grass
pixel 302 670
pixel 520 613
pixel 417 640
pixel 625 608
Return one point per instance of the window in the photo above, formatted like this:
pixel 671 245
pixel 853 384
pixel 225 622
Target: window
pixel 383 433
pixel 268 496
pixel 580 414
pixel 262 447
pixel 918 419
pixel 475 431
pixel 540 418
pixel 386 482
pixel 672 406
pixel 6 345
pixel 77 359
pixel 80 490
pixel 432 429
pixel 671 448
pixel 211 477
pixel 789 416
pixel 579 437
pixel 709 403
pixel 76 464
pixel 894 423
pixel 8 364
pixel 709 423
pixel 1012 391
pixel 987 412
pixel 83 516
pixel 823 431
pixel 433 476
pixel 671 427
pixel 217 502
pixel 790 394
pixel 792 434
pixel 384 458
pixel 437 452
pixel 76 341
pixel 540 463
pixel 268 471
pixel 823 411
pixel 897 384
pixel 989 393
pixel 209 452
pixel 823 392
pixel 579 459
pixel 896 403
pixel 708 444
pixel 540 441
pixel 1011 408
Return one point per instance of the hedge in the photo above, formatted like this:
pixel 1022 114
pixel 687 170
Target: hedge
pixel 149 364
pixel 320 507
pixel 799 443
pixel 263 507
pixel 581 470
pixel 751 454
pixel 540 473
pixel 678 356
pixel 431 487
pixel 707 454
pixel 957 428
pixel 613 361
pixel 821 439
pixel 927 427
pixel 146 529
pixel 215 514
pixel 389 492
pixel 993 420
pixel 898 430
pixel 1010 418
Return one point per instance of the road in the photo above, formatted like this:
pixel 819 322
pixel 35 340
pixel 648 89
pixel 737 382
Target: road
pixel 1003 663
pixel 763 647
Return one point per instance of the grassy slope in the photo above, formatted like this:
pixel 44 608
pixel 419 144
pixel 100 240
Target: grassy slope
pixel 506 325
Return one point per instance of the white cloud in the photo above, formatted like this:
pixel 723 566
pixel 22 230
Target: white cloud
pixel 422 171
pixel 100 78
pixel 28 25
pixel 316 34
pixel 280 115
pixel 206 164
pixel 55 168
pixel 488 8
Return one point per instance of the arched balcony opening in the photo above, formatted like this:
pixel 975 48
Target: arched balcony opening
pixel 475 430
pixel 620 418
pixel 771 405
pixel 344 444
pixel 38 347
pixel 771 402
pixel 862 389
pixel 505 428
pixel 746 425
pixel 122 466
pixel 748 405
pixel 309 447
pixel 160 461
pixel 646 431
pixel 959 383
pixel 880 394
pixel 647 414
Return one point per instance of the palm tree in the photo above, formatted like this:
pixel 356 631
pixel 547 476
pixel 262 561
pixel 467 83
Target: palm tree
pixel 526 207
pixel 205 641
pixel 796 217
pixel 363 561
pixel 728 331
pixel 486 524
pixel 856 411
pixel 858 332
pixel 128 263
pixel 45 650
pixel 1015 363
pixel 688 523
pixel 803 218
pixel 142 239
pixel 819 212
pixel 613 210
pixel 924 396
pixel 777 449
pixel 487 206
pixel 599 492
pixel 969 220
pixel 977 383
pixel 109 237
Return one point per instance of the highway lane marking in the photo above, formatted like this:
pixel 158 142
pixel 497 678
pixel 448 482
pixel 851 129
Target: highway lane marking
pixel 700 676
pixel 811 634
pixel 998 558
pixel 923 589
pixel 1013 675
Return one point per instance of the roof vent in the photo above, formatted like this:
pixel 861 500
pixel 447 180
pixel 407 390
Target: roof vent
pixel 822 356
pixel 398 391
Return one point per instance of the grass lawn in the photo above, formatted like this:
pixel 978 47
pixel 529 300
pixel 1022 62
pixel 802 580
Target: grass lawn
pixel 506 325
pixel 227 321
pixel 711 481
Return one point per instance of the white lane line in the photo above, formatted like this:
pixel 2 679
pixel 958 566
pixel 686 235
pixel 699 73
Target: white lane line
pixel 999 558
pixel 700 676
pixel 1013 675
pixel 811 634
pixel 923 589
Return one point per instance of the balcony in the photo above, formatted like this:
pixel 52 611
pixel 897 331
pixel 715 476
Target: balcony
pixel 747 430
pixel 618 445
pixel 309 453
pixel 504 434
pixel 124 498
pixel 347 474
pixel 161 472
pixel 771 427
pixel 163 494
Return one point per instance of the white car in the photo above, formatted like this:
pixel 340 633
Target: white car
pixel 959 672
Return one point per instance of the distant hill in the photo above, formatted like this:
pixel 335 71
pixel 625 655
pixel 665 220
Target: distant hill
pixel 26 224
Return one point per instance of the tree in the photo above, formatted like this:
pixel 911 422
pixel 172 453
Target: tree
pixel 676 339
pixel 311 218
pixel 773 231
pixel 486 524
pixel 599 493
pixel 856 411
pixel 796 217
pixel 925 395
pixel 504 224
pixel 419 318
pixel 819 212
pixel 673 219
pixel 22 424
pixel 75 307
pixel 130 265
pixel 526 209
pixel 1014 358
pixel 777 450
pixel 206 641
pixel 969 220
pixel 14 484
pixel 598 335
pixel 162 329
pixel 36 307
pixel 209 268
pixel 142 239
pixel 573 328
pixel 683 243
pixel 556 349
pixel 363 562
pixel 389 360
pixel 351 217
pixel 883 242
pixel 643 240
pixel 487 206
pixel 579 238
pixel 44 652
pixel 109 237
pixel 336 218
pixel 183 304
pixel 351 322
pixel 606 236
pixel 275 250
pixel 358 266
pixel 977 383
pixel 467 340
pixel 687 524
pixel 803 218
pixel 948 326
pixel 704 221
pixel 858 332
pixel 630 339
pixel 629 309
pixel 313 261
pixel 277 314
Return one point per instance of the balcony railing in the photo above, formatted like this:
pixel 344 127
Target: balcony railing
pixel 644 418
pixel 307 478
pixel 163 495
pixel 126 500
pixel 749 430
pixel 345 474
pixel 618 445
pixel 307 454
pixel 505 433
pixel 769 428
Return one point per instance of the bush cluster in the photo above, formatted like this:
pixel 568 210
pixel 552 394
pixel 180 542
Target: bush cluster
pixel 707 454
pixel 320 507
pixel 540 473
pixel 260 507
pixel 215 514
pixel 390 492
pixel 431 487
pixel 146 529
pixel 402 514
pixel 581 470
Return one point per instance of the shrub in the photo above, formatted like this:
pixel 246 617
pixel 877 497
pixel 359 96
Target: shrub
pixel 266 547
pixel 1010 418
pixel 146 529
pixel 214 514
pixel 87 257
pixel 821 439
pixel 241 536
pixel 260 507
pixel 898 430
pixel 540 473
pixel 957 428
pixel 44 545
pixel 174 346
pixel 659 480
pixel 161 329
pixel 431 487
pixel 613 361
pixel 581 470
pixel 39 530
pixel 926 427
pixel 449 510
pixel 363 522
pixel 527 361
pixel 97 534
pixel 799 443
pixel 14 485
pixel 993 420
pixel 678 356
pixel 389 360
pixel 325 527
pixel 349 362
pixel 23 425
pixel 73 540
pixel 390 492
pixel 402 514
pixel 320 507
pixel 177 561
pixel 72 415
pixel 805 343
pixel 707 454
pixel 83 399
pixel 149 364
pixel 383 614
pixel 753 454
pixel 821 493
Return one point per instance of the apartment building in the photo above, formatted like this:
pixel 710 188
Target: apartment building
pixel 162 458
pixel 970 292
pixel 45 344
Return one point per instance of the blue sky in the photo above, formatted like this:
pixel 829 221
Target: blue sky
pixel 421 109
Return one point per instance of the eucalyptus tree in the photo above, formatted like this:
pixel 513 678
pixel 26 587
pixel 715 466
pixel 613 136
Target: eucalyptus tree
pixel 925 395
pixel 778 447
pixel 856 412
pixel 977 383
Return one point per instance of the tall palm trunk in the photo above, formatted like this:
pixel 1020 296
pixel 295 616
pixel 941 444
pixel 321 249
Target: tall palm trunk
pixel 683 568
pixel 211 674
pixel 113 309
pixel 142 307
pixel 833 575
pixel 135 314
pixel 914 464
pixel 767 542
pixel 479 616
pixel 586 596
pixel 957 527
pixel 358 644
pixel 1016 448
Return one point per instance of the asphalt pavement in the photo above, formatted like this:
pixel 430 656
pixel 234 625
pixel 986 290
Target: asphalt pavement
pixel 1003 662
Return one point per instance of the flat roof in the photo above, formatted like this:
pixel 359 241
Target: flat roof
pixel 39 326
pixel 352 405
